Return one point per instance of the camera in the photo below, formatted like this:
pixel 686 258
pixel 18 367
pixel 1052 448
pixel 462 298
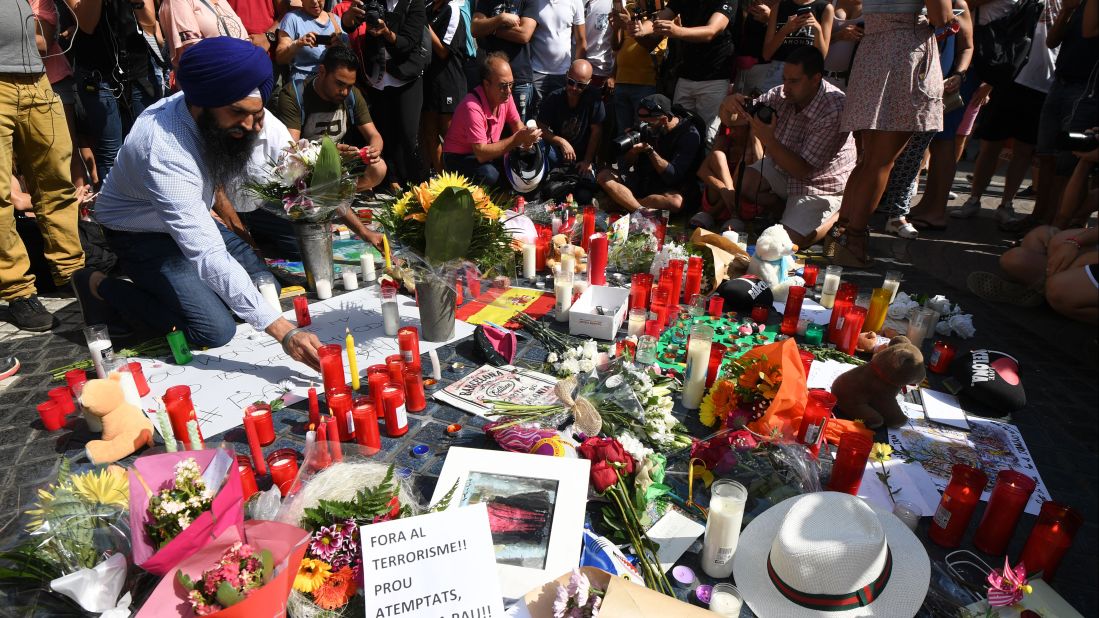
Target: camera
pixel 508 6
pixel 375 12
pixel 643 134
pixel 1077 142
pixel 763 112
pixel 324 39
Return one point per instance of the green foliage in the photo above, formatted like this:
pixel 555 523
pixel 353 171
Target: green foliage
pixel 444 504
pixel 368 505
pixel 268 564
pixel 328 171
pixel 185 580
pixel 228 595
pixel 450 224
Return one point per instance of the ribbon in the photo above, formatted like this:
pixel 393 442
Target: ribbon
pixel 835 602
pixel 584 414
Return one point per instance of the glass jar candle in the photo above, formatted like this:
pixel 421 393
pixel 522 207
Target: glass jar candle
pixel 339 405
pixel 265 423
pixel 1050 538
pixel 408 340
pixel 725 600
pixel 809 273
pixel 247 477
pixel 919 325
pixel 101 349
pixel 1005 505
pixel 391 317
pixel 283 464
pixel 892 283
pixel 879 306
pixel 177 402
pixel 853 320
pixel 717 355
pixel 396 417
pixel 850 463
pixel 331 360
pixel 366 429
pixel 698 361
pixel 955 509
pixel 562 290
pixel 646 350
pixel 818 409
pixel 845 299
pixel 415 398
pixel 717 303
pixel 831 285
pixel 941 357
pixel 723 521
pixel 693 282
pixel 791 313
pixel 635 327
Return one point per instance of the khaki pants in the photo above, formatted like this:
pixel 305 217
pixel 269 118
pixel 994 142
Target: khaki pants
pixel 34 134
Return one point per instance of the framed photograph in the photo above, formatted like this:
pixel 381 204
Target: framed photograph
pixel 535 510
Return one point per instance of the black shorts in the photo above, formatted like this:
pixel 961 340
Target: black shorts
pixel 1012 113
pixel 444 90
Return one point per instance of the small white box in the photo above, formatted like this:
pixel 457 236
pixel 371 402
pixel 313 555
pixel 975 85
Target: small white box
pixel 585 320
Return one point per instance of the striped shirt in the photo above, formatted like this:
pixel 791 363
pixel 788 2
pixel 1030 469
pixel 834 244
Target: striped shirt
pixel 159 184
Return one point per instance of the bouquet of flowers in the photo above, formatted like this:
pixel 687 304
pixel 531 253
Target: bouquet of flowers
pixel 634 255
pixel 239 572
pixel 578 599
pixel 174 508
pixel 309 182
pixel 743 393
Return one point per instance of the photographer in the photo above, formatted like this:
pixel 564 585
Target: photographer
pixel 389 36
pixel 507 26
pixel 303 36
pixel 807 157
pixel 659 162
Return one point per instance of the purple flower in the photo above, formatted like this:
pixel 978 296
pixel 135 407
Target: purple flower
pixel 326 542
pixel 561 602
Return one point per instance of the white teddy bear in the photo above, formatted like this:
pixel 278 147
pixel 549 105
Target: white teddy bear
pixel 773 260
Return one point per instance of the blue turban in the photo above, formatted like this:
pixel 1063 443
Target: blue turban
pixel 223 70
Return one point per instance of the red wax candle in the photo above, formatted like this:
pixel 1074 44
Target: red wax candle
pixel 956 507
pixel 331 356
pixel 588 229
pixel 301 311
pixel 693 283
pixel 247 476
pixel 941 357
pixel 396 419
pixel 339 406
pixel 818 409
pixel 408 338
pixel 416 400
pixel 659 232
pixel 851 456
pixel 394 364
pixel 653 328
pixel 760 313
pixel 806 360
pixel 366 429
pixel 332 431
pixel 1005 505
pixel 717 303
pixel 314 408
pixel 76 378
pixel 376 382
pixel 717 354
pixel 253 443
pixel 810 275
pixel 264 422
pixel 541 251
pixel 845 299
pixel 676 267
pixel 640 287
pixel 321 459
pixel 597 259
pixel 63 398
pixel 853 320
pixel 284 468
pixel 52 415
pixel 795 296
pixel 134 369
pixel 177 402
pixel 1051 537
pixel 658 306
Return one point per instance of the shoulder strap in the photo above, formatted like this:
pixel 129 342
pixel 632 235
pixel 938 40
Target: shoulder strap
pixel 221 21
pixel 349 102
pixel 301 104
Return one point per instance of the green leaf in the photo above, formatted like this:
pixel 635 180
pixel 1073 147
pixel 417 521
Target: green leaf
pixel 327 170
pixel 185 580
pixel 228 595
pixel 444 503
pixel 268 564
pixel 450 224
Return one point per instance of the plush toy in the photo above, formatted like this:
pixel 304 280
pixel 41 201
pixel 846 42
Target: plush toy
pixel 869 392
pixel 125 428
pixel 773 260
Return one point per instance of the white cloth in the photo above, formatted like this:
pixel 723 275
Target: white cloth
pixel 272 139
pixel 1037 73
pixel 597 31
pixel 551 45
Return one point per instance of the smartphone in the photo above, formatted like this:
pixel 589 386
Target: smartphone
pixel 324 39
pixel 803 10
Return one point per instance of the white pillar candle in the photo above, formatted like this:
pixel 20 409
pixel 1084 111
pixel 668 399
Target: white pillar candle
pixel 727 499
pixel 366 262
pixel 892 283
pixel 436 369
pixel 391 318
pixel 555 224
pixel 562 289
pixel 568 260
pixel 636 325
pixel 530 262
pixel 731 235
pixel 831 286
pixel 324 289
pixel 698 362
pixel 725 600
pixel 100 350
pixel 271 295
pixel 350 278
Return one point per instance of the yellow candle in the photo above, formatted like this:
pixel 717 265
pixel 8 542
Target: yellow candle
pixel 879 307
pixel 352 364
pixel 385 250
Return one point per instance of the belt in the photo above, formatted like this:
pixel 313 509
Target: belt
pixel 837 74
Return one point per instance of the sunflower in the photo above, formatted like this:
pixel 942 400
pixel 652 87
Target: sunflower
pixel 337 590
pixel 446 180
pixel 312 574
pixel 44 509
pixel 108 487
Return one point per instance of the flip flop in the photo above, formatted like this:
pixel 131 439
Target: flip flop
pixel 923 225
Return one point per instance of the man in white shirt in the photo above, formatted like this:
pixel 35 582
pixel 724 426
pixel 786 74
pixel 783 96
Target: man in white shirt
pixel 559 39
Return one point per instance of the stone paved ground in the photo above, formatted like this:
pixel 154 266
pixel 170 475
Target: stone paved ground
pixel 1058 368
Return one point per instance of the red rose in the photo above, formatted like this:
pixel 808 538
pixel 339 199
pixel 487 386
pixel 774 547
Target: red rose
pixel 719 453
pixel 603 476
pixel 608 450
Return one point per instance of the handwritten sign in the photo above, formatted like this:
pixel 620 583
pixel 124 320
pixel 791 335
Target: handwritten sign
pixel 440 565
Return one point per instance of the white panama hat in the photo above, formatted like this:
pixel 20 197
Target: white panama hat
pixel 830 554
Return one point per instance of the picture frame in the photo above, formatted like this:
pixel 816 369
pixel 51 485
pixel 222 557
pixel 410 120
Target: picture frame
pixel 536 510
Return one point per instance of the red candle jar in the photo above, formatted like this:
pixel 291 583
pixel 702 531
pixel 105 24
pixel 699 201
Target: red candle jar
pixel 541 251
pixel 795 296
pixel 809 274
pixel 851 456
pixel 1050 539
pixel 588 227
pixel 717 303
pixel 760 313
pixel 333 434
pixel 675 268
pixel 956 507
pixel 659 303
pixel 135 370
pixel 366 429
pixel 177 402
pixel 376 382
pixel 853 320
pixel 314 408
pixel 415 399
pixel 408 338
pixel 845 299
pixel 653 328
pixel 331 357
pixel 717 354
pixel 597 259
pixel 63 398
pixel 818 409
pixel 301 311
pixel 379 368
pixel 247 476
pixel 1005 505
pixel 396 419
pixel 693 283
pixel 640 287
pixel 265 423
pixel 339 406
pixel 939 362
pixel 52 415
pixel 283 464
pixel 75 378
pixel 806 360
pixel 394 364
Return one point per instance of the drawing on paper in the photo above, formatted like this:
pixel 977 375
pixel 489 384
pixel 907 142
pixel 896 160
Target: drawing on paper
pixel 520 514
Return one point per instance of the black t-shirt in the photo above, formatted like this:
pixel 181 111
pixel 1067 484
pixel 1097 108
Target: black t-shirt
pixel 799 38
pixel 712 60
pixel 320 117
pixel 682 148
pixel 444 78
pixel 519 55
pixel 1078 55
pixel 116 49
pixel 752 34
pixel 573 123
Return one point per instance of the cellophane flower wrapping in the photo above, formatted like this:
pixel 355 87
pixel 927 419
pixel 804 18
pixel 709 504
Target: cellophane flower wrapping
pixel 310 182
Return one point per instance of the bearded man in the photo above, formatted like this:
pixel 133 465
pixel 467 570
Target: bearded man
pixel 185 270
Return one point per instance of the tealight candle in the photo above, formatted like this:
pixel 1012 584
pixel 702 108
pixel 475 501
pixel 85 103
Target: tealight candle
pixel 698 361
pixel 725 600
pixel 636 325
pixel 366 262
pixel 324 289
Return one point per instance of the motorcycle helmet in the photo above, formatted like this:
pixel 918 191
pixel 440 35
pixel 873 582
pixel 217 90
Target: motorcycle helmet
pixel 524 167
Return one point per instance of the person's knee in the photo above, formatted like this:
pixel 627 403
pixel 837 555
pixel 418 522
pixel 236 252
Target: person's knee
pixel 214 332
pixel 1015 262
pixel 605 176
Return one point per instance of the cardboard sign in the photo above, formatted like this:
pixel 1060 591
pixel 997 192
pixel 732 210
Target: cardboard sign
pixel 440 564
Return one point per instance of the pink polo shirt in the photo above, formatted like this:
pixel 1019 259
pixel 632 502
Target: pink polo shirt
pixel 473 123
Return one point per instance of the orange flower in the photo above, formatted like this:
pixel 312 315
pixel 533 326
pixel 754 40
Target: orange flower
pixel 423 195
pixel 337 590
pixel 418 216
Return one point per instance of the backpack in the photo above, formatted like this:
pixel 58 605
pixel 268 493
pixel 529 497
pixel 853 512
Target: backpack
pixel 1001 47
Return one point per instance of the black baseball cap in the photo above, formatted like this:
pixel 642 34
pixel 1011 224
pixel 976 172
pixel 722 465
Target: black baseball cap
pixel 656 104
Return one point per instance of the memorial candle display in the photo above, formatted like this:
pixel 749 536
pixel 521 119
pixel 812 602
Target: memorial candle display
pixel 597 259
pixel 366 429
pixel 845 299
pixel 350 278
pixel 818 409
pixel 324 289
pixel 693 282
pixel 100 348
pixel 264 422
pixel 848 337
pixel 1005 505
pixel 795 296
pixel 727 500
pixel 253 444
pixel 415 398
pixel 284 469
pixel 832 276
pixel 181 352
pixel 640 286
pixel 955 509
pixel 366 262
pixel 331 359
pixel 851 456
pixel 352 360
pixel 177 401
pixel 875 315
pixel 809 274
pixel 314 408
pixel 892 283
pixel 562 290
pixel 717 303
pixel 265 281
pixel 247 477
pixel 396 419
pixel 725 601
pixel 408 340
pixel 391 317
pixel 1050 538
pixel 530 260
pixel 339 406
pixel 636 325
pixel 588 228
pixel 698 361
pixel 63 398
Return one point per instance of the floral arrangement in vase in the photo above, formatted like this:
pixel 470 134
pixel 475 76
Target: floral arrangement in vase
pixel 239 572
pixel 742 394
pixel 173 508
pixel 310 181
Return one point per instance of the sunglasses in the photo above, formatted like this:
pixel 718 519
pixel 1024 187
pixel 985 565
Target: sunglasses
pixel 576 83
pixel 505 86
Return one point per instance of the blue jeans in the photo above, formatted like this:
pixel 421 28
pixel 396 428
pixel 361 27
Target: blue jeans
pixel 544 84
pixel 166 292
pixel 626 99
pixel 524 100
pixel 272 232
pixel 487 173
pixel 102 121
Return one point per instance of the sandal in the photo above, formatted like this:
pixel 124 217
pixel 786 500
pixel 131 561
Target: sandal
pixel 840 252
pixel 898 226
pixel 994 288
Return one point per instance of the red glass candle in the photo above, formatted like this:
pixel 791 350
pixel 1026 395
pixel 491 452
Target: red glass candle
pixel 284 468
pixel 376 382
pixel 541 251
pixel 693 283
pixel 415 399
pixel 795 296
pixel 653 328
pixel 818 409
pixel 366 429
pixel 253 444
pixel 265 423
pixel 1005 505
pixel 138 374
pixel 956 507
pixel 640 287
pixel 52 415
pixel 853 320
pixel 332 431
pixel 408 339
pixel 851 456
pixel 314 409
pixel 941 356
pixel 396 419
pixel 810 273
pixel 177 402
pixel 597 259
pixel 1051 537
pixel 806 360
pixel 588 228
pixel 75 378
pixel 63 398
pixel 717 303
pixel 659 304
pixel 717 354
pixel 659 232
pixel 845 299
pixel 331 357
pixel 675 268
pixel 339 406
pixel 301 311
pixel 760 313
pixel 247 477
pixel 394 364
pixel 380 368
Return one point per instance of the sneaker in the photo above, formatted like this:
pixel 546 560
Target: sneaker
pixel 29 314
pixel 951 196
pixel 95 311
pixel 1005 213
pixel 9 366
pixel 900 227
pixel 1028 192
pixel 994 288
pixel 971 207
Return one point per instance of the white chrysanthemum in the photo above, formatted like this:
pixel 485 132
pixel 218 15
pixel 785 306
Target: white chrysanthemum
pixel 591 349
pixel 572 353
pixel 570 366
pixel 633 446
pixel 551 357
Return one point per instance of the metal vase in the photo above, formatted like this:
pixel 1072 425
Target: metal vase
pixel 315 244
pixel 437 299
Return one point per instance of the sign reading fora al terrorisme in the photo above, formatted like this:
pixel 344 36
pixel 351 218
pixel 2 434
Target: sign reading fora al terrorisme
pixel 439 565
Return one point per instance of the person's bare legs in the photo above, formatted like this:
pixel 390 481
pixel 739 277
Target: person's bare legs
pixel 1026 264
pixel 662 201
pixel 931 209
pixel 619 193
pixel 1072 293
pixel 717 178
pixel 1022 154
pixel 988 159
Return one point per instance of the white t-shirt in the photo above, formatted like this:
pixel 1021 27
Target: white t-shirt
pixel 551 45
pixel 597 29
pixel 273 137
pixel 994 10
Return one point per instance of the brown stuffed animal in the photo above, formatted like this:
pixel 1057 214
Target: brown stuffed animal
pixel 125 428
pixel 869 392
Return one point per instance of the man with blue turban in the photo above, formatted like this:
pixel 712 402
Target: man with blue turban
pixel 184 268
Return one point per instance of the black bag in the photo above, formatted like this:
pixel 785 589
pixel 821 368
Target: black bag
pixel 1001 48
pixel 413 65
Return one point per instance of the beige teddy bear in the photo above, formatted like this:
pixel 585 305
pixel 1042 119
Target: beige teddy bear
pixel 125 427
pixel 869 392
